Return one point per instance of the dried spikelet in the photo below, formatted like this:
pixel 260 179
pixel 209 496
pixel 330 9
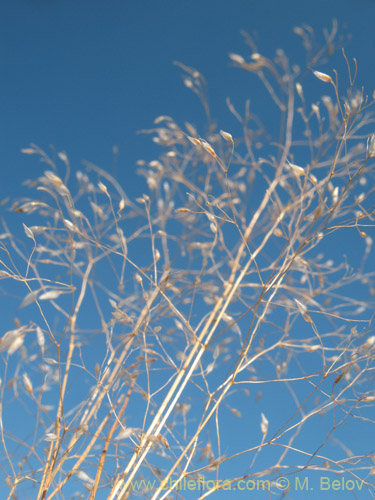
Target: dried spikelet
pixel 28 151
pixel 356 101
pixel 226 135
pixel 369 342
pixel 210 368
pixel 38 229
pixel 302 309
pixel 360 198
pixel 368 398
pixel 162 118
pixel 151 182
pixel 339 377
pixel 12 340
pixel 29 299
pixel 194 141
pixel 51 361
pixel 327 101
pixel 57 183
pixel 264 424
pixel 126 433
pixel 188 83
pixel 97 210
pixel 323 77
pixel 371 148
pixel 79 176
pixel 69 225
pixel 335 195
pixel 85 478
pixel 164 441
pixel 179 325
pixel 296 169
pixel 227 318
pixel 237 58
pixel 236 412
pixel 50 436
pixel 81 430
pixel 40 338
pixel 277 232
pixel 30 207
pixel 313 348
pixel 63 157
pixel 315 109
pixel 299 90
pixel 16 344
pixel 142 200
pixel 103 188
pixel 27 383
pixel 192 131
pixel 121 205
pixel 208 148
pixel 28 232
pixel 52 294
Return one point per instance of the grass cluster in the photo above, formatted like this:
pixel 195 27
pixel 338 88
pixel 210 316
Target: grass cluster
pixel 216 330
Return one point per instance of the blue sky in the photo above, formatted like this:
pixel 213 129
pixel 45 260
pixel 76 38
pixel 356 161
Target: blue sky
pixel 85 76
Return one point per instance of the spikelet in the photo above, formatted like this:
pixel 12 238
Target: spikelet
pixel 297 170
pixel 371 148
pixel 226 136
pixel 323 77
pixel 28 232
pixel 27 383
pixel 264 424
pixel 303 310
pixel 103 188
pixel 237 58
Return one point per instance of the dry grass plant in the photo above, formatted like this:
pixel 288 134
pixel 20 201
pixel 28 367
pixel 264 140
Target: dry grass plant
pixel 151 331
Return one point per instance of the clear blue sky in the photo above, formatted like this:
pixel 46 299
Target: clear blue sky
pixel 86 75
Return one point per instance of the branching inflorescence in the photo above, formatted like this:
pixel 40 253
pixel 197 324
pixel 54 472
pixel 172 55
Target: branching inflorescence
pixel 216 330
